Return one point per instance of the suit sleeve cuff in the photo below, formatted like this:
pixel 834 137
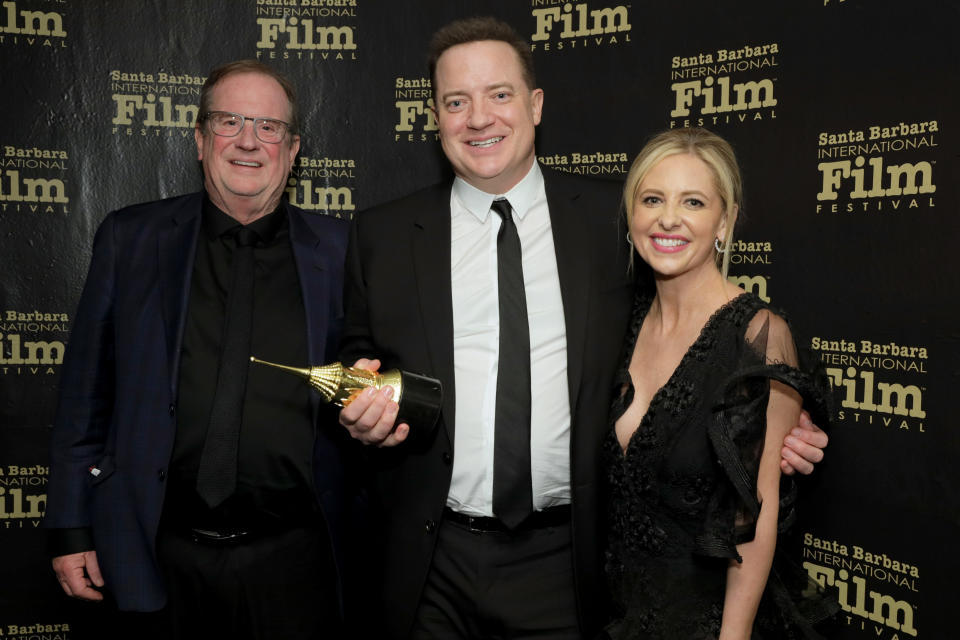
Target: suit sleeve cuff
pixel 61 542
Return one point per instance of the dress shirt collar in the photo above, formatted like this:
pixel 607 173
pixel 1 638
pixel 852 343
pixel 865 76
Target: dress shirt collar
pixel 217 223
pixel 521 196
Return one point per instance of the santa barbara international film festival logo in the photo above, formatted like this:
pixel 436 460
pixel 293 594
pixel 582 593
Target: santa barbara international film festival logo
pixel 31 342
pixel 560 25
pixel 416 120
pixel 323 185
pixel 23 495
pixel 33 180
pixel 878 385
pixel 34 630
pixel 748 260
pixel 312 30
pixel 154 103
pixel 589 163
pixel 726 86
pixel 33 23
pixel 878 168
pixel 876 591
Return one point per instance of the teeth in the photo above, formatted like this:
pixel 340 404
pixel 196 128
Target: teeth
pixel 246 164
pixel 669 242
pixel 486 143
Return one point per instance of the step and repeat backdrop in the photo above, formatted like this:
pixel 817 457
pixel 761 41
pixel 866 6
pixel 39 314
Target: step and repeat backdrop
pixel 844 114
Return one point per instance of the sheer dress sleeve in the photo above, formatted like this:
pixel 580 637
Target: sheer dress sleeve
pixel 737 432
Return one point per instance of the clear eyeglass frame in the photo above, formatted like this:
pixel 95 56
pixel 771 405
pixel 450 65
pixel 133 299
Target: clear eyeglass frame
pixel 229 125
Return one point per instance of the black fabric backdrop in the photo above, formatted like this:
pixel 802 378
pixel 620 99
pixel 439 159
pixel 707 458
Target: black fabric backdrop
pixel 843 113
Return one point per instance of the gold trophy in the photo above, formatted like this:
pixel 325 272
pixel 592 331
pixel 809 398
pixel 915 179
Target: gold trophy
pixel 419 397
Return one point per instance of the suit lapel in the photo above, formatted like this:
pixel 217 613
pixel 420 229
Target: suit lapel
pixel 315 288
pixel 310 259
pixel 431 263
pixel 573 268
pixel 177 248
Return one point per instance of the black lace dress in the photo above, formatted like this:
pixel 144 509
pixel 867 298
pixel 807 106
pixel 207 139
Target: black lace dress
pixel 683 494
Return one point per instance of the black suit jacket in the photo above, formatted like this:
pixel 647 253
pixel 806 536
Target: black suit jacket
pixel 399 309
pixel 118 387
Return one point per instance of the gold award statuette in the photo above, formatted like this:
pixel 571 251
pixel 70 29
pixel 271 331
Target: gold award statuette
pixel 419 397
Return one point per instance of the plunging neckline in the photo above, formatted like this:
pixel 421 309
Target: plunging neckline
pixel 699 344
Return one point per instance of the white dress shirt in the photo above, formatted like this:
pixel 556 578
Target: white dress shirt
pixel 476 339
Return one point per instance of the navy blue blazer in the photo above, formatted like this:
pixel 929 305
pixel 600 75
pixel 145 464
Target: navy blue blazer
pixel 118 386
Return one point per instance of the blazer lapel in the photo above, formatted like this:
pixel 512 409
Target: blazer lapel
pixel 310 258
pixel 177 248
pixel 311 253
pixel 431 264
pixel 573 268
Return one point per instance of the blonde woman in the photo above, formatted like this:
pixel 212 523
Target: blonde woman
pixel 707 391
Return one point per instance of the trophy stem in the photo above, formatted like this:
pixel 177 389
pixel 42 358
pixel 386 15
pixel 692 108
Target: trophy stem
pixel 324 379
pixel 300 371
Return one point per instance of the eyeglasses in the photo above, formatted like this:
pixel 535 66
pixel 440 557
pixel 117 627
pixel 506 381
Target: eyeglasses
pixel 229 125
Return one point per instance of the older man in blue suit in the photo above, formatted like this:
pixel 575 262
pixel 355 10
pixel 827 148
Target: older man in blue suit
pixel 183 480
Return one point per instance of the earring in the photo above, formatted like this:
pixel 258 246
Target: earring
pixel 716 245
pixel 629 239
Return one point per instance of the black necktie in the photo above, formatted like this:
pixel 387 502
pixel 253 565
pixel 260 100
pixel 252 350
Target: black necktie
pixel 512 487
pixel 217 474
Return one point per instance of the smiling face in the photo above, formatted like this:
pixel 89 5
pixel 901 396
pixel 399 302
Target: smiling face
pixel 244 176
pixel 677 215
pixel 487 114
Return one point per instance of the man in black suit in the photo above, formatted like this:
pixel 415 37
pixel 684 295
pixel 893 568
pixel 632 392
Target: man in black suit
pixel 457 559
pixel 181 481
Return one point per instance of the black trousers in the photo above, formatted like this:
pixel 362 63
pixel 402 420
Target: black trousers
pixel 277 586
pixel 495 585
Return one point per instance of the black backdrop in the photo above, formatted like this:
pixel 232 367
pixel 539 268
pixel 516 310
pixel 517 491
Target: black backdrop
pixel 843 113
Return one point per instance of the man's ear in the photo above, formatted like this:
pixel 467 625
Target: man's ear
pixel 536 104
pixel 198 138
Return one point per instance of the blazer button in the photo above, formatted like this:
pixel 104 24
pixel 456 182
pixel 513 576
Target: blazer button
pixel 447 458
pixel 430 526
pixel 173 409
pixel 161 475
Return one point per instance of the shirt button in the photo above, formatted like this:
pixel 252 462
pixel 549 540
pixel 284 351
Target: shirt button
pixel 430 526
